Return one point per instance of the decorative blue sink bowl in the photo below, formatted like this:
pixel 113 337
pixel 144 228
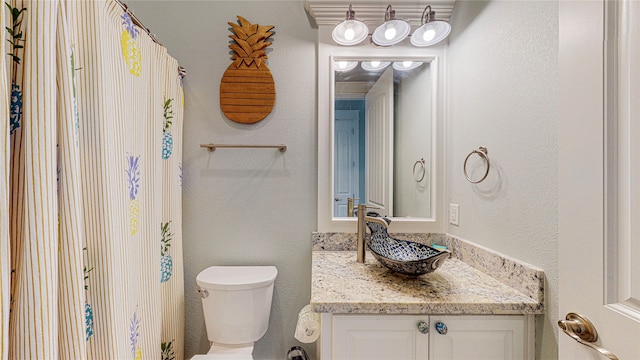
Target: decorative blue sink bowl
pixel 403 256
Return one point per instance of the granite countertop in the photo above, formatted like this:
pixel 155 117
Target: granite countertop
pixel 341 285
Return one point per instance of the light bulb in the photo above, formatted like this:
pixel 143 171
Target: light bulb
pixel 429 35
pixel 407 64
pixel 390 33
pixel 342 64
pixel 349 34
pixel 375 64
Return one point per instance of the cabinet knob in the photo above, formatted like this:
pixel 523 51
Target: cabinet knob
pixel 423 327
pixel 441 328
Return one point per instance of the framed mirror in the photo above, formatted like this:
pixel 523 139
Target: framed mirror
pixel 380 136
pixel 382 124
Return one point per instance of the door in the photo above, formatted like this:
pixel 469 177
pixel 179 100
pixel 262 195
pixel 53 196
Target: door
pixel 379 144
pixel 599 175
pixel 478 337
pixel 347 174
pixel 368 337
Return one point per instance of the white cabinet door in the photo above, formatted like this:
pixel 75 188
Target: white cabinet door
pixel 478 337
pixel 372 337
pixel 396 337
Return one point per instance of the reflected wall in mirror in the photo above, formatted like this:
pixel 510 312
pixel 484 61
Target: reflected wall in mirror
pixel 382 131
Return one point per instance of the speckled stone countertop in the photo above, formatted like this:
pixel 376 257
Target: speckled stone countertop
pixel 341 285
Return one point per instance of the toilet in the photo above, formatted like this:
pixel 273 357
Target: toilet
pixel 236 301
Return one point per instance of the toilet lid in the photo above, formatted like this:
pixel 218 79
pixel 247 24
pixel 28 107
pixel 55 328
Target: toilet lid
pixel 236 277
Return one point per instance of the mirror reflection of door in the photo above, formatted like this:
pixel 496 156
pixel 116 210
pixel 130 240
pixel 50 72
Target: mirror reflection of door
pixel 347 162
pixel 379 144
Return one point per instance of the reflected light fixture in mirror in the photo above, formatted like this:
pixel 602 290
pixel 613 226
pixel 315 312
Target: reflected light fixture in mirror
pixel 374 65
pixel 343 65
pixel 350 31
pixel 406 65
pixel 431 31
pixel 392 31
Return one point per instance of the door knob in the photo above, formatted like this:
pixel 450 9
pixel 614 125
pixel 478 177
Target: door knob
pixel 441 328
pixel 423 327
pixel 582 330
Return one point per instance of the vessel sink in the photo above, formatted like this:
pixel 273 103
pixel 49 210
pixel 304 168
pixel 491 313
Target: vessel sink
pixel 404 256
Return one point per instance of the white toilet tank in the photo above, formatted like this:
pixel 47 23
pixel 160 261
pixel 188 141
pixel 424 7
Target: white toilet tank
pixel 236 302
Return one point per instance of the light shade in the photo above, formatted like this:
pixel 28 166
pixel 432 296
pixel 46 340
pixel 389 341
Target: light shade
pixel 374 65
pixel 432 31
pixel 392 31
pixel 350 31
pixel 406 65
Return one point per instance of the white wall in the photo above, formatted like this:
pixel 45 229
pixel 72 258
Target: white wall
pixel 412 131
pixel 503 87
pixel 245 206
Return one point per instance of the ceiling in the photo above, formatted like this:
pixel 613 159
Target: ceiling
pixel 371 12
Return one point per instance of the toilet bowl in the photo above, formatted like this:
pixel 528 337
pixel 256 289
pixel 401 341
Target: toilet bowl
pixel 236 301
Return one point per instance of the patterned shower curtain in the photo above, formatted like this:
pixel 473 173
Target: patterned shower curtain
pixel 90 186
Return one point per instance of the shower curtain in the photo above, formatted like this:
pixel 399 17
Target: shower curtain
pixel 90 186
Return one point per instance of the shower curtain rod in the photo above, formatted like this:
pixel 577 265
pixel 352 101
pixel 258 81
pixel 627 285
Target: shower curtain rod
pixel 182 72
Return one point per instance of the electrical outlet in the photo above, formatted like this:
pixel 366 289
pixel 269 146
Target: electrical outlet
pixel 454 214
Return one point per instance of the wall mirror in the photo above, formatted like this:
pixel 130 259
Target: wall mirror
pixel 380 135
pixel 382 124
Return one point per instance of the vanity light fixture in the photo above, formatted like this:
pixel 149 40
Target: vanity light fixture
pixel 431 31
pixel 374 65
pixel 392 31
pixel 406 65
pixel 344 65
pixel 350 31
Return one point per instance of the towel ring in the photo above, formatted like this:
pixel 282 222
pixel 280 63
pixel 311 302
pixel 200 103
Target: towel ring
pixel 424 170
pixel 483 153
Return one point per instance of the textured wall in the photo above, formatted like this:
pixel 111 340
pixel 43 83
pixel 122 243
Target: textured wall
pixel 503 86
pixel 245 206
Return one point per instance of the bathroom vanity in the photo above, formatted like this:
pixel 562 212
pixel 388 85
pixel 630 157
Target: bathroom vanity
pixel 477 305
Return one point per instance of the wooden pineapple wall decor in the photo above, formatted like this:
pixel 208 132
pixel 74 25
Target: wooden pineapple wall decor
pixel 247 90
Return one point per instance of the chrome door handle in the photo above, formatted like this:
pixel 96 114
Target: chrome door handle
pixel 583 331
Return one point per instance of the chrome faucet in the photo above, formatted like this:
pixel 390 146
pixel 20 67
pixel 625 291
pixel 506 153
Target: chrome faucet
pixel 362 218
